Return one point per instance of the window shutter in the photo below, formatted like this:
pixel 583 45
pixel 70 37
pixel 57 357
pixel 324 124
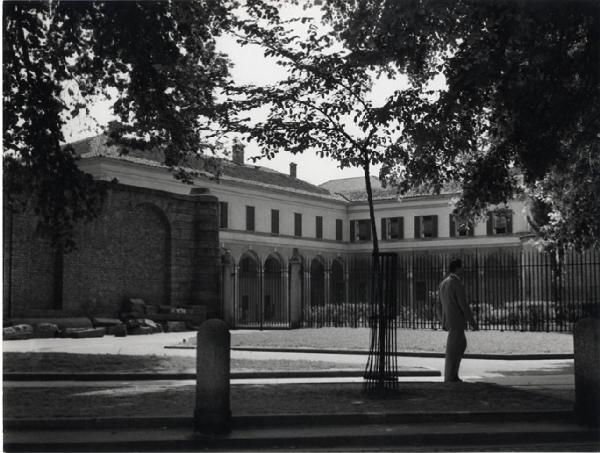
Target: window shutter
pixel 417 227
pixel 490 225
pixel 400 227
pixel 452 226
pixel 250 218
pixel 369 230
pixel 352 233
pixel 435 226
pixel 509 224
pixel 275 221
pixel 384 229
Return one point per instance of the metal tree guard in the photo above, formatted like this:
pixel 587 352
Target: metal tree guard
pixel 381 372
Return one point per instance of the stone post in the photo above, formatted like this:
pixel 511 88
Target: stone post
pixel 213 413
pixel 295 291
pixel 586 342
pixel 228 291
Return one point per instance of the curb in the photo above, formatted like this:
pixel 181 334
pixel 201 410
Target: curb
pixel 557 356
pixel 281 420
pixel 90 377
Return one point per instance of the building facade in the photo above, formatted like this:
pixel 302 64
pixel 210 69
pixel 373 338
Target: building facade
pixel 288 250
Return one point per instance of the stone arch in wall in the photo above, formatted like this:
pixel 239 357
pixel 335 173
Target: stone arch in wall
pixel 337 283
pixel 145 249
pixel 317 282
pixel 274 303
pixel 248 310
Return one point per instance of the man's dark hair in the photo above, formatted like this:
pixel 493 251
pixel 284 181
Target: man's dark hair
pixel 455 264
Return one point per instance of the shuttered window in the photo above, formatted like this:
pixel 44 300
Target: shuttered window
pixel 249 218
pixel 392 228
pixel 274 221
pixel 339 230
pixel 360 230
pixel 499 224
pixel 297 224
pixel 223 214
pixel 460 229
pixel 426 226
pixel 319 227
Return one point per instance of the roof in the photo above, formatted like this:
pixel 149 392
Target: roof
pixel 353 189
pixel 98 147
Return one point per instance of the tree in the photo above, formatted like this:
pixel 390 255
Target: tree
pixel 156 59
pixel 323 106
pixel 522 99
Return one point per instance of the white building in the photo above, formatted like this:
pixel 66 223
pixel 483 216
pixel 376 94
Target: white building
pixel 288 246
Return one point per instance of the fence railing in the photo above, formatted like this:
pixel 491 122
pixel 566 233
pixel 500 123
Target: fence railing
pixel 510 289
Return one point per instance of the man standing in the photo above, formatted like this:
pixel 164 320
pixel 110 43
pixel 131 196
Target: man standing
pixel 455 316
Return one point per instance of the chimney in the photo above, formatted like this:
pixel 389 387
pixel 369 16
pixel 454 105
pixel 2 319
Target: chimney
pixel 293 167
pixel 237 152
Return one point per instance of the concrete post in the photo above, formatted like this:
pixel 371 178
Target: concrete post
pixel 586 342
pixel 228 292
pixel 213 413
pixel 295 292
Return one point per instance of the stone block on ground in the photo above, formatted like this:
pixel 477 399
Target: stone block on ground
pixel 62 323
pixel 155 328
pixel 120 330
pixel 176 326
pixel 17 332
pixel 140 330
pixel 45 330
pixel 93 332
pixel 106 322
pixel 586 342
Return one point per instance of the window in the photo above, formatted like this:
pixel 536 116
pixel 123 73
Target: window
pixel 426 226
pixel 460 229
pixel 223 214
pixel 360 230
pixel 319 227
pixel 499 224
pixel 274 221
pixel 339 230
pixel 249 218
pixel 297 224
pixel 392 228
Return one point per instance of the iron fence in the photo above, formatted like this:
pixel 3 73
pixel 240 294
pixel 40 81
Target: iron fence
pixel 508 289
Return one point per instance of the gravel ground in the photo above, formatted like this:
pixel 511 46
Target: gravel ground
pixel 170 400
pixel 480 342
pixel 54 362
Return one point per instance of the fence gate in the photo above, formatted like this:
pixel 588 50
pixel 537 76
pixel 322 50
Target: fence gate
pixel 262 301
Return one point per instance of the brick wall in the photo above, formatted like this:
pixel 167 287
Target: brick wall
pixel 155 245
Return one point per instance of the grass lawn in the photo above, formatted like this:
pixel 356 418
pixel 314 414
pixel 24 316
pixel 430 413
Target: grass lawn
pixel 481 342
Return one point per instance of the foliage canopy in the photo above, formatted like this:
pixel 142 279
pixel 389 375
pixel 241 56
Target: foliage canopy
pixel 522 99
pixel 156 60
